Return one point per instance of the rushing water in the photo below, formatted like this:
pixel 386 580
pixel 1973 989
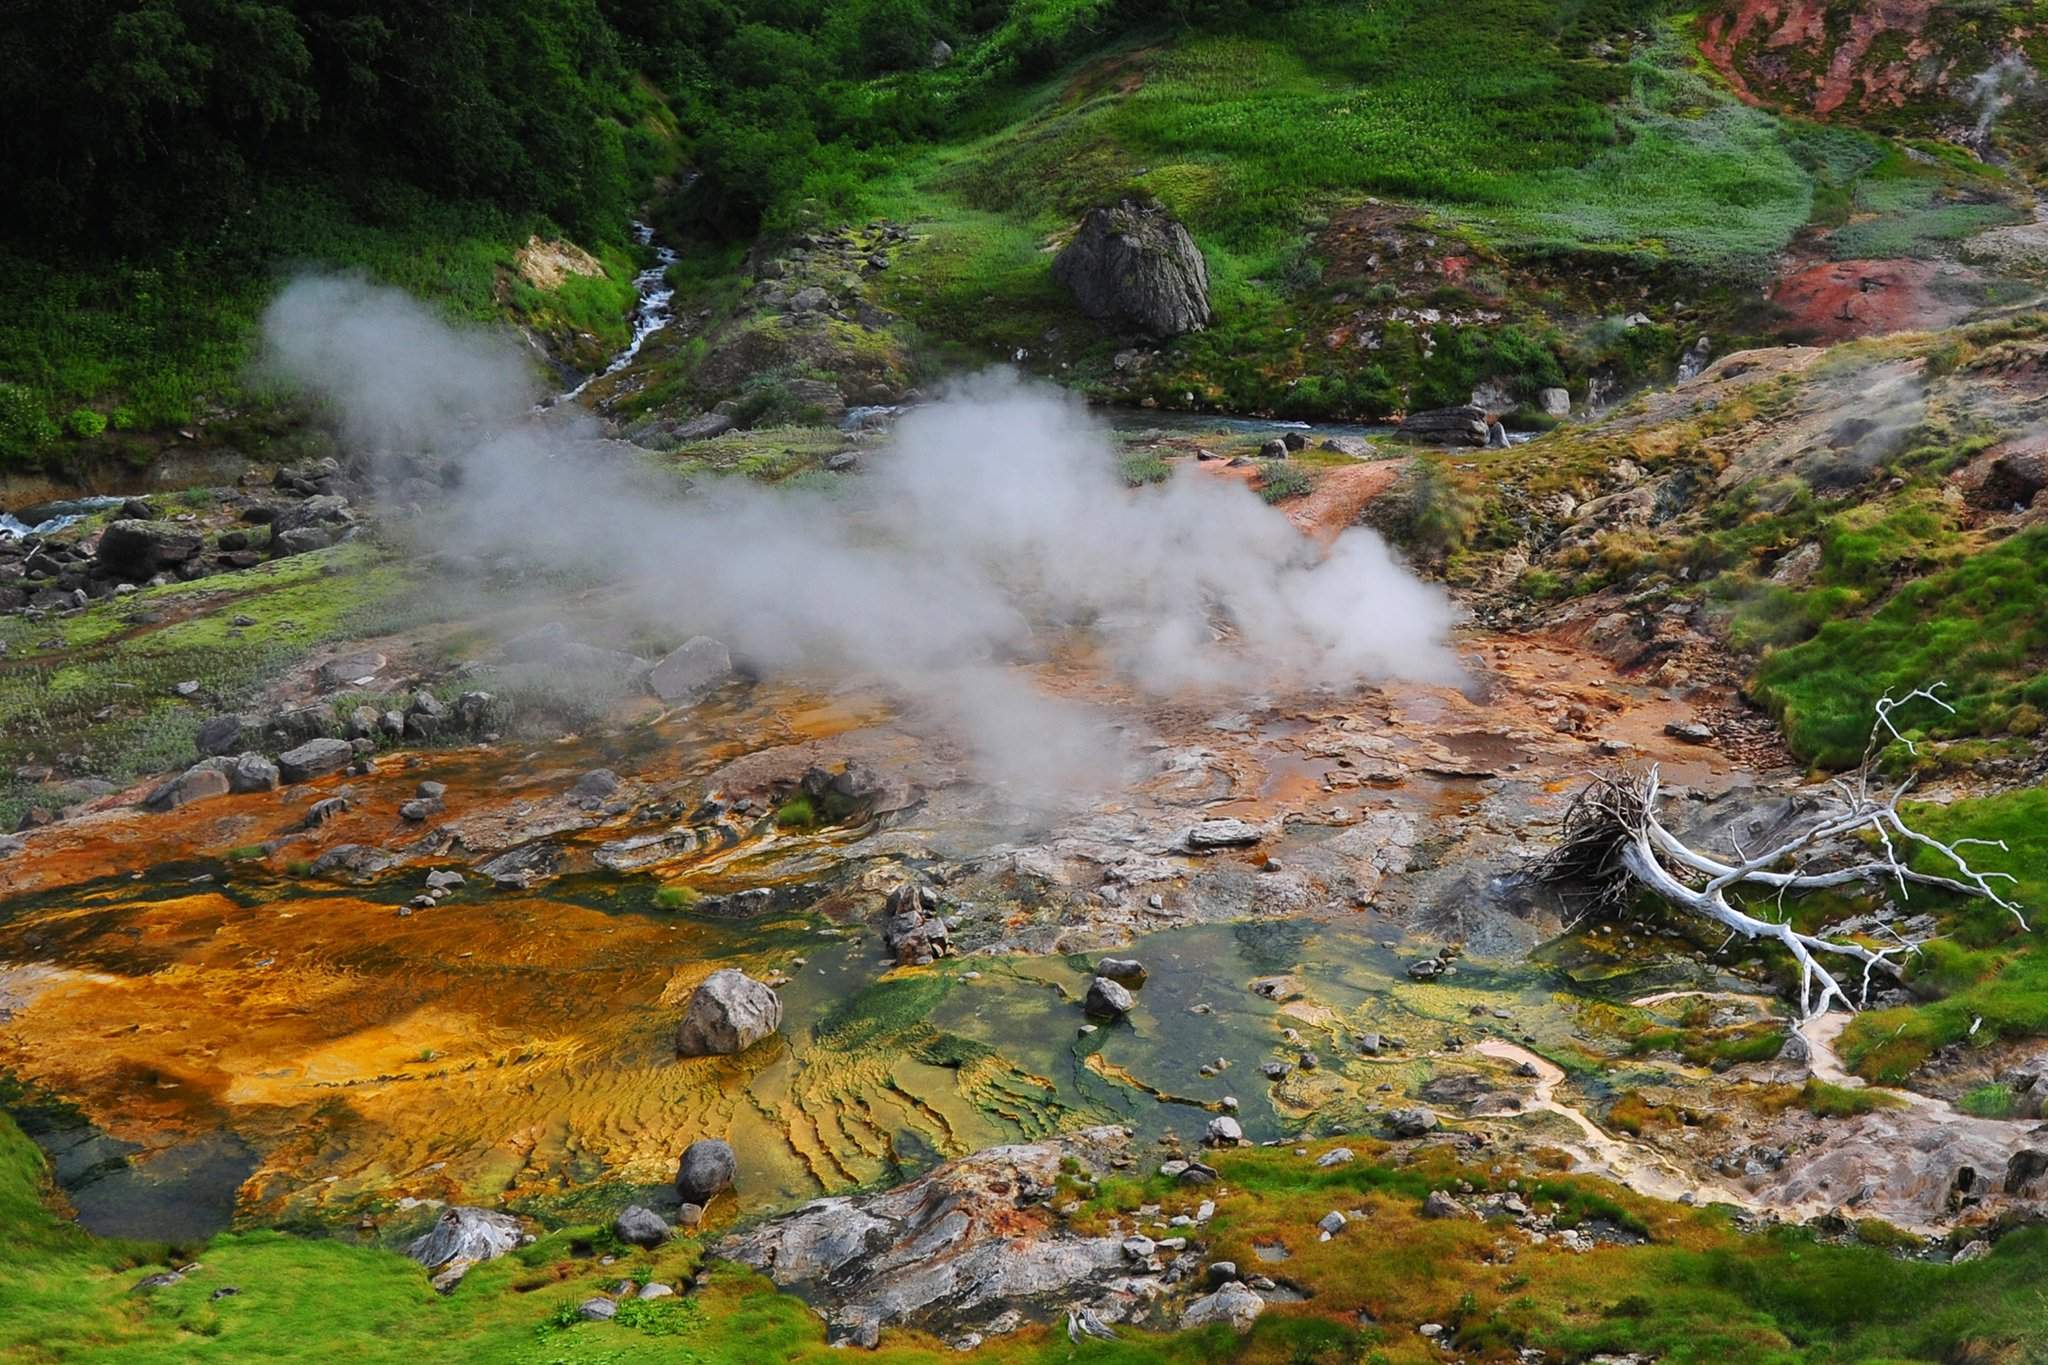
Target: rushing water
pixel 650 315
pixel 46 518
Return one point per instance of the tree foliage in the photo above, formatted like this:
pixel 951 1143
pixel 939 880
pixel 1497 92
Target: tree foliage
pixel 142 122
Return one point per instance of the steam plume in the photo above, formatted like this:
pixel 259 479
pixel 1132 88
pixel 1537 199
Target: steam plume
pixel 994 514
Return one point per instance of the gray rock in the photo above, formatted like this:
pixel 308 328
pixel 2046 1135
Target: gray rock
pixel 465 1235
pixel 706 1171
pixel 1224 1131
pixel 941 53
pixel 705 427
pixel 1464 425
pixel 1336 1156
pixel 442 880
pixel 1233 1303
pixel 1209 835
pixel 964 1246
pixel 1133 265
pixel 1107 1000
pixel 1332 1222
pixel 1695 359
pixel 695 668
pixel 353 862
pixel 641 1227
pixel 253 772
pixel 349 669
pixel 597 1310
pixel 135 550
pixel 314 758
pixel 1690 732
pixel 197 783
pixel 1275 449
pixel 595 785
pixel 1410 1123
pixel 300 540
pixel 1127 972
pixel 655 1289
pixel 728 1012
pixel 1441 1205
pixel 219 735
pixel 1555 402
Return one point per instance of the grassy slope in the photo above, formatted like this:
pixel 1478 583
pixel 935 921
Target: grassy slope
pixel 1698 1293
pixel 135 345
pixel 1546 173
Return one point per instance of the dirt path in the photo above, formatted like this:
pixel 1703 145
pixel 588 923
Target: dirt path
pixel 1339 496
pixel 1641 1169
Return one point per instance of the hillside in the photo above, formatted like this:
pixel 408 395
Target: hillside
pixel 1031 681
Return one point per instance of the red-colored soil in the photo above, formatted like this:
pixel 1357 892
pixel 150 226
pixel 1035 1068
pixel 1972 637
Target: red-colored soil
pixel 1838 300
pixel 1780 52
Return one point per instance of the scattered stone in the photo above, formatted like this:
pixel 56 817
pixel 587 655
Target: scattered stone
pixel 1465 425
pixel 1224 1131
pixel 1209 835
pixel 1336 1156
pixel 655 1289
pixel 252 772
pixel 1107 999
pixel 133 550
pixel 728 1012
pixel 597 1310
pixel 1409 1123
pixel 595 785
pixel 641 1227
pixel 314 758
pixel 349 670
pixel 913 930
pixel 706 1171
pixel 1125 971
pixel 1441 1205
pixel 197 783
pixel 219 735
pixel 1332 1223
pixel 1233 1303
pixel 1690 732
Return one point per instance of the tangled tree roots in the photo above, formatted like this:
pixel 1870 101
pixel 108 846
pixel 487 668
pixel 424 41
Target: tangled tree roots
pixel 1615 843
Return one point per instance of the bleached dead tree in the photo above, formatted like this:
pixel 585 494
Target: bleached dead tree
pixel 1615 842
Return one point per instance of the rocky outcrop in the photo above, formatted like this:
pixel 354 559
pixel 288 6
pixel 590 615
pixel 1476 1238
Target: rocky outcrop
pixel 1132 265
pixel 314 758
pixel 690 671
pixel 728 1012
pixel 135 550
pixel 1448 426
pixel 460 1238
pixel 913 929
pixel 641 1227
pixel 958 1247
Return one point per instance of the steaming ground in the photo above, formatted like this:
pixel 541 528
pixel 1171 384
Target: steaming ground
pixel 994 518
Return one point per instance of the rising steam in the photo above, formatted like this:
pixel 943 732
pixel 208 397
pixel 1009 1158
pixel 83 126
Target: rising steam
pixel 993 518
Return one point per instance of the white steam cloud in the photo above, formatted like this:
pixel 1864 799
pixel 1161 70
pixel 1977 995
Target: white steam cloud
pixel 993 516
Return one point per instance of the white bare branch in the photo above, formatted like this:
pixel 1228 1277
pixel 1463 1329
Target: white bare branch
pixel 1615 841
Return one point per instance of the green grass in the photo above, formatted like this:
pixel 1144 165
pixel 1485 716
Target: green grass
pixel 1283 479
pixel 101 699
pixel 150 342
pixel 1986 978
pixel 1980 627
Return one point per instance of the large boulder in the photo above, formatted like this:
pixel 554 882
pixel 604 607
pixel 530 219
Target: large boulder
pixel 1107 999
pixel 196 783
pixel 314 758
pixel 459 1239
pixel 252 772
pixel 728 1012
pixel 690 671
pixel 1133 265
pixel 1233 1303
pixel 706 1171
pixel 1448 426
pixel 136 550
pixel 219 735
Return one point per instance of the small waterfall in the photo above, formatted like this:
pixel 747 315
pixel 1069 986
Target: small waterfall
pixel 650 315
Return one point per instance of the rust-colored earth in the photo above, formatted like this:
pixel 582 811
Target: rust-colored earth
pixel 1840 300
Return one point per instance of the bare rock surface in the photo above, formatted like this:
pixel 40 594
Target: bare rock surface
pixel 729 1012
pixel 1133 265
pixel 956 1247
